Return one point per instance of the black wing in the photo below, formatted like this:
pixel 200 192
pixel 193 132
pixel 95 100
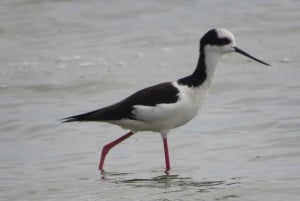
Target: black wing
pixel 151 96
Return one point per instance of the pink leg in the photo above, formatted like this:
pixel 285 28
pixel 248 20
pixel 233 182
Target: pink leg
pixel 167 159
pixel 108 147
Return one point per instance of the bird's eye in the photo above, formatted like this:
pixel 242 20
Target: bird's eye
pixel 224 41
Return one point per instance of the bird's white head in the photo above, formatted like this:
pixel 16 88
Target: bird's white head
pixel 217 42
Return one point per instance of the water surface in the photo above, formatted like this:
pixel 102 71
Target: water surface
pixel 60 58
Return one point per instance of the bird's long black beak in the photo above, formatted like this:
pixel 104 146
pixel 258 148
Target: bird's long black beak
pixel 238 50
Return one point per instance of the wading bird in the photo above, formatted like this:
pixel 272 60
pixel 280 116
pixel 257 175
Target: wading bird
pixel 163 107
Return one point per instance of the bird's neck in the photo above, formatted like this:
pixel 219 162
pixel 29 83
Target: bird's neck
pixel 204 72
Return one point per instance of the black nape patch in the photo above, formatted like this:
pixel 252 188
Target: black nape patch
pixel 200 75
pixel 197 77
pixel 211 38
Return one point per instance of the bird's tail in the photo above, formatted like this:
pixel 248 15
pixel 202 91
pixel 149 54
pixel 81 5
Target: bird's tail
pixel 81 117
pixel 72 119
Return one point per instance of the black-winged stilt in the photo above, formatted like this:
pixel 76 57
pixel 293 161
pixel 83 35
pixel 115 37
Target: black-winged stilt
pixel 168 105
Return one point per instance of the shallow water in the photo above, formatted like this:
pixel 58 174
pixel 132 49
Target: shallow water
pixel 60 58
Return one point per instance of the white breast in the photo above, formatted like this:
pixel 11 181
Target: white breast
pixel 164 117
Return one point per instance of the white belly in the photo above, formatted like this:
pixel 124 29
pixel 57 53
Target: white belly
pixel 164 117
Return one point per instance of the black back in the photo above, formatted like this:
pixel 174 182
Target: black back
pixel 151 96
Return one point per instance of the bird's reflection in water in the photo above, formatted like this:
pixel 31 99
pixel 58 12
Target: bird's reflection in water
pixel 175 182
pixel 172 183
